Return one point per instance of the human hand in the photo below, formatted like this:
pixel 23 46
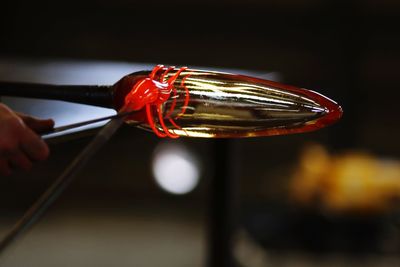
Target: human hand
pixel 20 144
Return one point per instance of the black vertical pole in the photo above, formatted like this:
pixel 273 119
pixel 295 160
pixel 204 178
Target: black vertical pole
pixel 222 206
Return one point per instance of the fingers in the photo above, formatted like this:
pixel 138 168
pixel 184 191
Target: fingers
pixel 41 126
pixel 20 160
pixel 33 146
pixel 14 160
pixel 37 125
pixel 19 145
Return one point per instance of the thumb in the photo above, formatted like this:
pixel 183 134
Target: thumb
pixel 37 125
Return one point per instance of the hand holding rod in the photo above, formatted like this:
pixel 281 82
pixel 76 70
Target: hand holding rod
pixel 54 191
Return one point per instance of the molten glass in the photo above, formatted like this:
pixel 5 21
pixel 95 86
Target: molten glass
pixel 185 102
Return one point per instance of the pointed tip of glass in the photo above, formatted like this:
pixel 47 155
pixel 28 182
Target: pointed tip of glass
pixel 332 111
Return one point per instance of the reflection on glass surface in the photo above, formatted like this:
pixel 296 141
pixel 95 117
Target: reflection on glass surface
pixel 215 104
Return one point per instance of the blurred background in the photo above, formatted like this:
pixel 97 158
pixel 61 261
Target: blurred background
pixel 326 198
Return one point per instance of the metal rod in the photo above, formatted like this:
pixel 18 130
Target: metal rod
pixel 97 95
pixel 36 211
pixel 84 123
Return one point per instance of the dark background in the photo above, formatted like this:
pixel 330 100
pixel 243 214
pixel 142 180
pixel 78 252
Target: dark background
pixel 347 50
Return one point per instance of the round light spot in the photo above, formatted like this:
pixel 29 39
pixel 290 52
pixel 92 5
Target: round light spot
pixel 175 168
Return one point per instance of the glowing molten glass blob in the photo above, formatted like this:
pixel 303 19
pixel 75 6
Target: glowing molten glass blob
pixel 196 103
pixel 149 92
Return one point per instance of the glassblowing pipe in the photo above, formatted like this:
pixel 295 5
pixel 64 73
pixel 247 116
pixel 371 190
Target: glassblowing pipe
pixel 96 95
pixel 176 102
